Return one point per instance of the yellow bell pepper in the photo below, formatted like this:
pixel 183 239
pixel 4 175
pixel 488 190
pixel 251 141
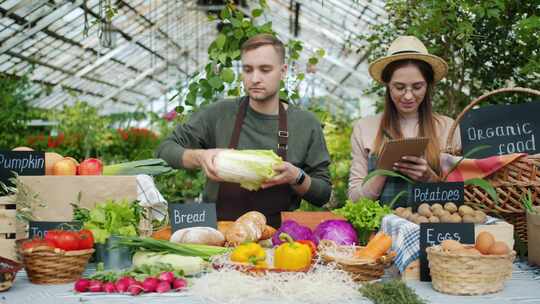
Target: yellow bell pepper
pixel 249 253
pixel 292 255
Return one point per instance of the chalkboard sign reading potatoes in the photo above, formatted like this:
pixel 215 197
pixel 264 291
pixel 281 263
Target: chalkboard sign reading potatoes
pixel 22 163
pixel 505 128
pixel 192 215
pixel 436 193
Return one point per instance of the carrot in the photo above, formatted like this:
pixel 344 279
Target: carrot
pixel 376 248
pixel 163 234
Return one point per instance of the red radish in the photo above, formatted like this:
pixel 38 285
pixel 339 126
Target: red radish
pixel 150 284
pixel 179 284
pixel 163 286
pixel 82 285
pixel 167 276
pixel 122 285
pixel 135 288
pixel 95 286
pixel 109 287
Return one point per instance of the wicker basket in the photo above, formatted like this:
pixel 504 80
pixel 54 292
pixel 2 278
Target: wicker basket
pixel 59 267
pixel 8 271
pixel 360 270
pixel 511 183
pixel 466 273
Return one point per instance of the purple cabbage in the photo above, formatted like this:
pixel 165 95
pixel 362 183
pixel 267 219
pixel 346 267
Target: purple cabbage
pixel 295 230
pixel 339 231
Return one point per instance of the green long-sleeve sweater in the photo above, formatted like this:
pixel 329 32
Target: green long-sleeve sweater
pixel 212 128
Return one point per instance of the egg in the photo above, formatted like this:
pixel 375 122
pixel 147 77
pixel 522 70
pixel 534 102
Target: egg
pixel 451 245
pixel 484 241
pixel 499 248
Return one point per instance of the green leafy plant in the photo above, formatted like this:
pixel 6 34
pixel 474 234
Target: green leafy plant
pixel 365 215
pixel 219 77
pixel 527 201
pixel 487 44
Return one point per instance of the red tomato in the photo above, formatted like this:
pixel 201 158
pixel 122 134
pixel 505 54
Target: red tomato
pixel 86 239
pixel 52 236
pixel 67 240
pixel 38 244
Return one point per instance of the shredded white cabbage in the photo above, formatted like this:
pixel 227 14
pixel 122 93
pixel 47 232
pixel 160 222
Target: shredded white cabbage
pixel 323 284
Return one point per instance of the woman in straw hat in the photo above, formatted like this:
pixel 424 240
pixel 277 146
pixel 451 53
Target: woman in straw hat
pixel 409 73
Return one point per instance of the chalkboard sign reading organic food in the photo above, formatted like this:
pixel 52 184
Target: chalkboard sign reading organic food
pixel 38 229
pixel 505 128
pixel 436 193
pixel 192 215
pixel 434 233
pixel 22 163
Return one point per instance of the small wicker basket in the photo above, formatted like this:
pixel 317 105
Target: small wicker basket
pixel 511 183
pixel 59 267
pixel 8 271
pixel 468 274
pixel 360 270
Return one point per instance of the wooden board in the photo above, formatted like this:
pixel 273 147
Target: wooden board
pixel 58 192
pixel 7 249
pixel 310 218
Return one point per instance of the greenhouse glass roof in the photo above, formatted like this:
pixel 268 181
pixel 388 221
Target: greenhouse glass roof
pixel 156 45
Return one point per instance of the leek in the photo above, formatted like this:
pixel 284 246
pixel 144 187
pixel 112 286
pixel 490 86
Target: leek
pixel 152 167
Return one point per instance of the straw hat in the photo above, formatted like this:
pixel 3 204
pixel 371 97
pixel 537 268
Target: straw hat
pixel 408 47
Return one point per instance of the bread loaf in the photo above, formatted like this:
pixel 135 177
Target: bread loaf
pixel 247 228
pixel 199 235
pixel 268 232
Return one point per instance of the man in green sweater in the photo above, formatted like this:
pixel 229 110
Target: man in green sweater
pixel 257 121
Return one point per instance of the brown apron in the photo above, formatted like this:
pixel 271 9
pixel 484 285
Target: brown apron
pixel 233 201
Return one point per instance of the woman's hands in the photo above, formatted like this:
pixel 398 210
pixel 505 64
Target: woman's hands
pixel 416 168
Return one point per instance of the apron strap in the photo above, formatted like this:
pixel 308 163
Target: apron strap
pixel 283 134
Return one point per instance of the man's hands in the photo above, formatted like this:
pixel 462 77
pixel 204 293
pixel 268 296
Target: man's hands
pixel 286 174
pixel 206 159
pixel 416 168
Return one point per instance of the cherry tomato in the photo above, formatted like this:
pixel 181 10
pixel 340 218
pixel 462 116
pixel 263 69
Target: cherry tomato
pixel 86 239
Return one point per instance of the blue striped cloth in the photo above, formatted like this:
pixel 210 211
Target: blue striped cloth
pixel 406 238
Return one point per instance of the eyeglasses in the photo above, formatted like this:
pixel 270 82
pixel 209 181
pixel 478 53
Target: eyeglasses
pixel 416 89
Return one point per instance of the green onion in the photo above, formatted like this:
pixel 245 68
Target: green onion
pixel 150 244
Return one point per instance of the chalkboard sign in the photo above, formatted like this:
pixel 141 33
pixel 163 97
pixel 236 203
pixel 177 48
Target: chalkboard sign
pixel 431 193
pixel 192 215
pixel 39 228
pixel 505 128
pixel 434 233
pixel 22 163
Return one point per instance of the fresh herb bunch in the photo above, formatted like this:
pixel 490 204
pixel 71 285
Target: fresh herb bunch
pixel 390 292
pixel 365 215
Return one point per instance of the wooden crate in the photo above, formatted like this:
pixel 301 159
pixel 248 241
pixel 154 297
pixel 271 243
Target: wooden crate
pixel 310 219
pixel 8 227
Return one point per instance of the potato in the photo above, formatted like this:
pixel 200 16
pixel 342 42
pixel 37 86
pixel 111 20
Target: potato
pixel 412 217
pixel 440 212
pixel 446 218
pixel 434 219
pixel 464 209
pixel 406 213
pixel 467 218
pixel 480 216
pixel 436 206
pixel 455 218
pixel 451 207
pixel 424 210
pixel 399 211
pixel 421 219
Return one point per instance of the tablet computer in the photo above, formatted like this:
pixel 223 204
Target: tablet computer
pixel 393 150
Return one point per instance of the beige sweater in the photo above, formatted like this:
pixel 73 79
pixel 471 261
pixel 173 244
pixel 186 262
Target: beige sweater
pixel 362 141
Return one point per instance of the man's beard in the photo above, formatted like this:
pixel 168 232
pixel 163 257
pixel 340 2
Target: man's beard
pixel 262 98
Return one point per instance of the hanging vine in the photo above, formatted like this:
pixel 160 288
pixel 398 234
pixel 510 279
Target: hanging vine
pixel 218 78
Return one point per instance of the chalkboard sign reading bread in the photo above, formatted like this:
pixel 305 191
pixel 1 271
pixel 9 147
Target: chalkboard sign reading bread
pixel 393 150
pixel 505 128
pixel 192 215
